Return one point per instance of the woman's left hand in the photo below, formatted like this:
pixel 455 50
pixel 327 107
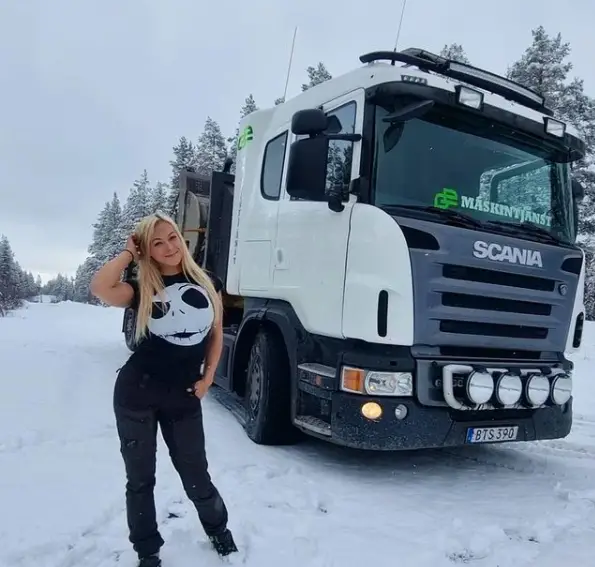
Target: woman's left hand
pixel 202 387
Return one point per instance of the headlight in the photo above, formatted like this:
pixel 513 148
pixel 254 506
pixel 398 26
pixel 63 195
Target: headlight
pixel 479 387
pixel 561 389
pixel 372 382
pixel 509 389
pixel 537 389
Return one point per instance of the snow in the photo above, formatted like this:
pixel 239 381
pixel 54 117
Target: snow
pixel 312 505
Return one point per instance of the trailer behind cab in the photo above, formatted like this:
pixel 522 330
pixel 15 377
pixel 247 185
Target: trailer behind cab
pixel 398 251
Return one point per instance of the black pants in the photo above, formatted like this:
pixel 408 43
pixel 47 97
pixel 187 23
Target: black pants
pixel 140 405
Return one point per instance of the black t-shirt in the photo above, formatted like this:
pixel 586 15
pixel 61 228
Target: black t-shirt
pixel 178 330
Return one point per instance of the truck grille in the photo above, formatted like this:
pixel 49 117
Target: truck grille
pixel 471 305
pixel 466 301
pixel 481 275
pixel 490 304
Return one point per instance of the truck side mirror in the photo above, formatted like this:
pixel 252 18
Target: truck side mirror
pixel 306 168
pixel 309 122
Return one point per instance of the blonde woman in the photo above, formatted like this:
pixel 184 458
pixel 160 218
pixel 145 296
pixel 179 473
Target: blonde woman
pixel 179 340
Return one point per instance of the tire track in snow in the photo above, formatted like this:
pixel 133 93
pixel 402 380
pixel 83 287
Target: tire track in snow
pixel 71 550
pixel 523 544
pixel 34 439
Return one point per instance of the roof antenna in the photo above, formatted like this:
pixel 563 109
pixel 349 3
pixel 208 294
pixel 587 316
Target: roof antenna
pixel 289 65
pixel 399 30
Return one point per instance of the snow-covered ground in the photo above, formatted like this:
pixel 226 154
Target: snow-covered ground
pixel 314 505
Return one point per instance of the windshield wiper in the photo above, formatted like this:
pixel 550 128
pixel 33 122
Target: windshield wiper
pixel 528 227
pixel 461 218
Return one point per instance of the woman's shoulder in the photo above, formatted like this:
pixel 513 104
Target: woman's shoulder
pixel 181 278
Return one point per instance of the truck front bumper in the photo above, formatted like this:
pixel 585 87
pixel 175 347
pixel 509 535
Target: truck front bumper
pixel 433 427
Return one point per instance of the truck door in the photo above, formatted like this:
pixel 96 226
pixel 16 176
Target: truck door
pixel 309 255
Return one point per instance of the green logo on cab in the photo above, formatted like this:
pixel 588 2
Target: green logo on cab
pixel 446 198
pixel 246 136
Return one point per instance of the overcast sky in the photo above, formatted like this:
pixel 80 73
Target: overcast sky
pixel 95 91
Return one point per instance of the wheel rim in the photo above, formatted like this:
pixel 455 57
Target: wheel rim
pixel 255 382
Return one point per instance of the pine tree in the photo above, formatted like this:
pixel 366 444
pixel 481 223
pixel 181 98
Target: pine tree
pixel 455 52
pixel 138 205
pixel 316 75
pixel 158 198
pixel 82 281
pixel 116 229
pixel 98 248
pixel 61 287
pixel 184 156
pixel 211 149
pixel 20 282
pixel 248 108
pixel 31 286
pixel 544 68
pixel 9 277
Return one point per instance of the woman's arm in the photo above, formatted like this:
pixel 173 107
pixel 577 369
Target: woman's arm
pixel 106 284
pixel 213 350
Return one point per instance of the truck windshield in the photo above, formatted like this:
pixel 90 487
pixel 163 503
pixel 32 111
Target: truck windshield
pixel 481 171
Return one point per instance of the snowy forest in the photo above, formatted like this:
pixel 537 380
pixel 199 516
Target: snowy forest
pixel 544 66
pixel 16 284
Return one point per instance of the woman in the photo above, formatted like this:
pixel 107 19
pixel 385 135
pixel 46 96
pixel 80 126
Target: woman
pixel 179 340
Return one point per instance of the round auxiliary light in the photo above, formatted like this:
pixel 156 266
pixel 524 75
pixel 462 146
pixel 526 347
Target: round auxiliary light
pixel 479 387
pixel 401 411
pixel 537 389
pixel 371 410
pixel 509 389
pixel 561 389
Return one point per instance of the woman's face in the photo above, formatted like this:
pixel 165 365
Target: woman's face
pixel 165 246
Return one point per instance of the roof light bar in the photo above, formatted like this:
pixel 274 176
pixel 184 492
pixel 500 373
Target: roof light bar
pixel 427 61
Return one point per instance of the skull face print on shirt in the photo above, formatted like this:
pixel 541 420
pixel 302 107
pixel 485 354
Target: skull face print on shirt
pixel 183 316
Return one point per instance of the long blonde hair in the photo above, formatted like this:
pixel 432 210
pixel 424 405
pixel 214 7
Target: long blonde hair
pixel 150 281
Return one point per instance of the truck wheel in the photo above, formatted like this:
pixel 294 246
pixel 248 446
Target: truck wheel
pixel 129 328
pixel 267 397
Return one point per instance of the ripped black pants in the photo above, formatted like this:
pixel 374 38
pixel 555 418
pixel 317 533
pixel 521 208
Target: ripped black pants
pixel 140 405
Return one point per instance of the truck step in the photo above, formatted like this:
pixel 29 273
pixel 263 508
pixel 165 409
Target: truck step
pixel 313 424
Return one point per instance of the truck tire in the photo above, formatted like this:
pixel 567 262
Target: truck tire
pixel 267 398
pixel 129 327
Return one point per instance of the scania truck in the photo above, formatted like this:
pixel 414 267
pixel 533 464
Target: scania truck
pixel 398 248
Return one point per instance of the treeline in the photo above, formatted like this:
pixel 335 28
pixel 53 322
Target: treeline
pixel 16 284
pixel 544 66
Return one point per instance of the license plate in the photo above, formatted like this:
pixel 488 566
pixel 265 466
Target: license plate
pixel 492 434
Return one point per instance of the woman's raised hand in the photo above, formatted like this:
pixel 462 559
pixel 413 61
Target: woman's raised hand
pixel 133 247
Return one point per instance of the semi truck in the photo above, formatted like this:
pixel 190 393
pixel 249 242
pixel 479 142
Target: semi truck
pixel 399 258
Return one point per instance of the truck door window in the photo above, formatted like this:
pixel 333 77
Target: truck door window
pixel 272 167
pixel 340 151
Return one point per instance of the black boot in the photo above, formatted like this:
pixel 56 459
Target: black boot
pixel 150 561
pixel 223 543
